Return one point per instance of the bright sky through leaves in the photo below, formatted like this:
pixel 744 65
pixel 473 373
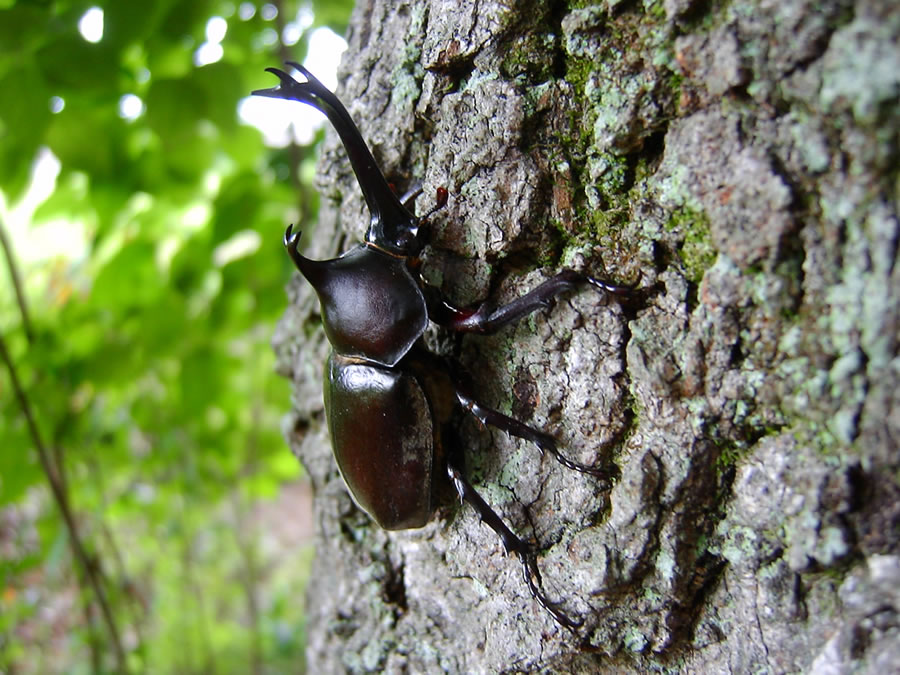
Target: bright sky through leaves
pixel 278 120
pixel 145 217
pixel 130 107
pixel 211 50
pixel 91 25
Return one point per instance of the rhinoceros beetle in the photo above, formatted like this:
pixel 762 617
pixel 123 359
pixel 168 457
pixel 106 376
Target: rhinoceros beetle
pixel 387 399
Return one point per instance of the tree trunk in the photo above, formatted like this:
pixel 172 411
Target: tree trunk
pixel 739 162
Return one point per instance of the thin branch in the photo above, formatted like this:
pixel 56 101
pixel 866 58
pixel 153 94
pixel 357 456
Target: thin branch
pixel 62 502
pixel 94 643
pixel 17 283
pixel 85 595
pixel 246 535
pixel 136 602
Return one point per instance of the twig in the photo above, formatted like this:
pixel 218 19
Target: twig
pixel 246 542
pixel 17 283
pixel 62 502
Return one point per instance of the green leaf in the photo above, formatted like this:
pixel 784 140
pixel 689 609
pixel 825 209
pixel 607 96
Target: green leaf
pixel 244 145
pixel 221 85
pixel 66 137
pixel 67 200
pixel 128 22
pixel 16 156
pixel 333 13
pixel 24 116
pixel 237 205
pixel 23 27
pixel 130 278
pixel 174 106
pixel 201 373
pixel 74 67
pixel 19 466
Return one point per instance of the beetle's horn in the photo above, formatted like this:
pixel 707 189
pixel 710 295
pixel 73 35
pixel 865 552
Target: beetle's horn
pixel 289 88
pixel 311 269
pixel 392 224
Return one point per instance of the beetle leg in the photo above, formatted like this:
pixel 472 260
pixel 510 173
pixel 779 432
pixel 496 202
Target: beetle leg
pixel 545 442
pixel 440 201
pixel 408 197
pixel 416 189
pixel 487 319
pixel 511 543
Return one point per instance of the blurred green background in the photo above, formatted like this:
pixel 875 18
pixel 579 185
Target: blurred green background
pixel 151 514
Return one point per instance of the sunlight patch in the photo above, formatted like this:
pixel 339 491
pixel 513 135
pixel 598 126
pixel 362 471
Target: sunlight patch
pixel 90 25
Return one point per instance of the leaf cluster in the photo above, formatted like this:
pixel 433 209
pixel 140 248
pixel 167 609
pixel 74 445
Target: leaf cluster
pixel 151 277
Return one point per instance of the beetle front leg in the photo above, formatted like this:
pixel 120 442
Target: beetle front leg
pixel 487 319
pixel 511 543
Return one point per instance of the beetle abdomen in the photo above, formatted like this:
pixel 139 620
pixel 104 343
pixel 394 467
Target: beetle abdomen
pixel 382 434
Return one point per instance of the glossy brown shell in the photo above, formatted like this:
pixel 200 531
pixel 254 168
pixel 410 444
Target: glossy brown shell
pixel 382 433
pixel 372 307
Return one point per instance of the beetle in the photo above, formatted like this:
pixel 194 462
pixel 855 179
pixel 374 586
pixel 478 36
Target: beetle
pixel 388 401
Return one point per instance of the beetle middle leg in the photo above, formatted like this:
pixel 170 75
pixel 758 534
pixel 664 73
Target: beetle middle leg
pixel 511 543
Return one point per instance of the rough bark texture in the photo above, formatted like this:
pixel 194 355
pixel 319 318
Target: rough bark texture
pixel 740 160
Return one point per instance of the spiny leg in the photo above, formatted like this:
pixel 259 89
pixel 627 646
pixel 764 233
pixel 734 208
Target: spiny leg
pixel 441 195
pixel 511 543
pixel 487 319
pixel 415 190
pixel 545 442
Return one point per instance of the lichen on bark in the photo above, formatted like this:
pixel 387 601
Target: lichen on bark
pixel 738 160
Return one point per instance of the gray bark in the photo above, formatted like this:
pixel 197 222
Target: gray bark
pixel 740 161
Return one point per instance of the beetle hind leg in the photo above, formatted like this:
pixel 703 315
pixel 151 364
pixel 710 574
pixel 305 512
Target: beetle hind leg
pixel 545 442
pixel 531 573
pixel 512 544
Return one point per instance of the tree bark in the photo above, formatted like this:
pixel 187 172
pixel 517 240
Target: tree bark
pixel 737 160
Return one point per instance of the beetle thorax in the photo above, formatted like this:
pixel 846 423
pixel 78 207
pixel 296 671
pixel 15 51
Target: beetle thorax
pixel 372 307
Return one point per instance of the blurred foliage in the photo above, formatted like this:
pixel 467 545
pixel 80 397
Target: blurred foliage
pixel 154 275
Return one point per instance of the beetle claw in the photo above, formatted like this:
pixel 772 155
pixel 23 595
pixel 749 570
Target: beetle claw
pixel 441 197
pixel 616 289
pixel 596 471
pixel 533 579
